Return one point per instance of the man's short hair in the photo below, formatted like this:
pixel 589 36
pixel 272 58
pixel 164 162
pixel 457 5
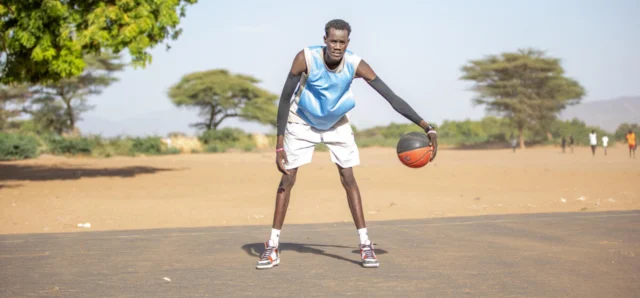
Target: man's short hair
pixel 338 25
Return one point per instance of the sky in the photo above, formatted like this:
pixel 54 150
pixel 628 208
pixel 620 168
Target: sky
pixel 417 47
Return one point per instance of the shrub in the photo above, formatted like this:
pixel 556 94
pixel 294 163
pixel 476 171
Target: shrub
pixel 223 139
pixel 72 146
pixel 148 145
pixel 16 146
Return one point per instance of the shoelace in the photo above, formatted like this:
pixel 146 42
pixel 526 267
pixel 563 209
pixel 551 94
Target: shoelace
pixel 368 252
pixel 267 252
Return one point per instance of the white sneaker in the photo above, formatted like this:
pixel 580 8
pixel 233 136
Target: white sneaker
pixel 270 257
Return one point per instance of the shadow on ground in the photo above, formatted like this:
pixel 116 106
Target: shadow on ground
pixel 43 173
pixel 9 186
pixel 255 250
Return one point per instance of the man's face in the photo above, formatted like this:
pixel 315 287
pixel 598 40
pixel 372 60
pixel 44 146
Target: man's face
pixel 337 42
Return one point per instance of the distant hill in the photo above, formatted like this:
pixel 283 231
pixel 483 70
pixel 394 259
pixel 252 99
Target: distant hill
pixel 607 114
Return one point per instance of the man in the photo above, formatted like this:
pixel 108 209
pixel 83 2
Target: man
pixel 593 141
pixel 631 140
pixel 564 143
pixel 605 143
pixel 318 114
pixel 571 143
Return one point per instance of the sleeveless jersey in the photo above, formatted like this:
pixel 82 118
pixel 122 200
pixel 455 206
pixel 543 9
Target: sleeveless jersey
pixel 324 96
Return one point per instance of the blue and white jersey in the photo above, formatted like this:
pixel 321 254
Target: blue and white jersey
pixel 324 95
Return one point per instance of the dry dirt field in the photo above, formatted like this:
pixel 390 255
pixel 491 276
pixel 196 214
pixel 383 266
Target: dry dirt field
pixel 55 194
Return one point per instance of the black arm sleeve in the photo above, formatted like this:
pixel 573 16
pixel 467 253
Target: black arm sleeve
pixel 285 102
pixel 396 102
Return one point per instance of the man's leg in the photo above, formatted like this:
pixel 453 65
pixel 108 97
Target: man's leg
pixel 299 143
pixel 345 154
pixel 350 185
pixel 282 198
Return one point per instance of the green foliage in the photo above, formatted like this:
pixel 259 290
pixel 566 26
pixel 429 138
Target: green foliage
pixel 219 95
pixel 148 145
pixel 226 138
pixel 69 146
pixel 57 106
pixel 623 129
pixel 112 147
pixel 11 100
pixel 576 128
pixel 487 130
pixel 45 41
pixel 526 87
pixel 16 146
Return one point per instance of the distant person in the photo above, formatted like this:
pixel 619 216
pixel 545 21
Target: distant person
pixel 631 140
pixel 593 141
pixel 605 142
pixel 514 144
pixel 564 143
pixel 571 143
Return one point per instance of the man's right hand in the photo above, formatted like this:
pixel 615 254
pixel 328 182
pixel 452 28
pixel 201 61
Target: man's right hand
pixel 281 160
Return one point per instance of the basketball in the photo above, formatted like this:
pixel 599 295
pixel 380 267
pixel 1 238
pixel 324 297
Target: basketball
pixel 414 150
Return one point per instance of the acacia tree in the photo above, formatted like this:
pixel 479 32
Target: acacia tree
pixel 46 40
pixel 219 95
pixel 526 87
pixel 12 98
pixel 58 105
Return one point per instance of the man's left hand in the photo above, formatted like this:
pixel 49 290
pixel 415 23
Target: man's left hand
pixel 433 137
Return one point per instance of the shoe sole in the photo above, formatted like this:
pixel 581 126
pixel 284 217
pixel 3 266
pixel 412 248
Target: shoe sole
pixel 376 265
pixel 269 266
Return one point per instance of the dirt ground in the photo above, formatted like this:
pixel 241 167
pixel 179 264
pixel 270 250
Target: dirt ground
pixel 55 194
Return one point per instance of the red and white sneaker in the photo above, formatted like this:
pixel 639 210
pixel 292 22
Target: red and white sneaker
pixel 270 257
pixel 369 259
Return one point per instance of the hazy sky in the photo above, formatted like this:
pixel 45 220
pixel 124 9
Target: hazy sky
pixel 417 47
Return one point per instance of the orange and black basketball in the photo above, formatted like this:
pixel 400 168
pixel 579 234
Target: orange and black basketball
pixel 414 150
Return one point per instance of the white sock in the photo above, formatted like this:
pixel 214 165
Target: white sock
pixel 364 237
pixel 275 236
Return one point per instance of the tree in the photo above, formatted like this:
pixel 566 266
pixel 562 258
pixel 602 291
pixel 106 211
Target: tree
pixel 526 87
pixel 58 105
pixel 219 95
pixel 11 100
pixel 45 41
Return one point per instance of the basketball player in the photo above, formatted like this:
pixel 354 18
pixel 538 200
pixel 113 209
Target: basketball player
pixel 318 114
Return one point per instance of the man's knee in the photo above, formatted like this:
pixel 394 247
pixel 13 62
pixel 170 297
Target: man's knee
pixel 287 181
pixel 347 178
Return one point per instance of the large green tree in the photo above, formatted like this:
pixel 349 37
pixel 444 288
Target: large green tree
pixel 527 87
pixel 58 105
pixel 43 41
pixel 219 95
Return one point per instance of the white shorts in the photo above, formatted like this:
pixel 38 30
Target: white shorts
pixel 300 140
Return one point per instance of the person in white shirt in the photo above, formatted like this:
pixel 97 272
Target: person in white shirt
pixel 605 142
pixel 593 141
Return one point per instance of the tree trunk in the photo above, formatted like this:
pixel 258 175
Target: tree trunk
pixel 225 116
pixel 521 137
pixel 211 124
pixel 71 117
